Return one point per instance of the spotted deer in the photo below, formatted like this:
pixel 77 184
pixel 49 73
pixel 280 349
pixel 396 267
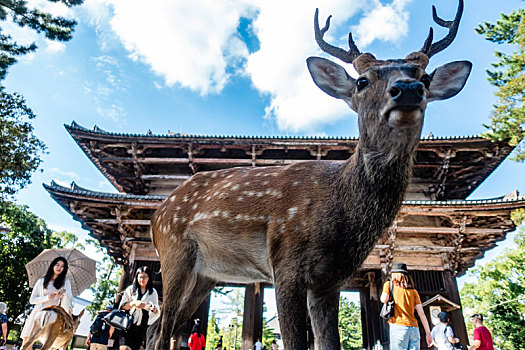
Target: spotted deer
pixel 54 328
pixel 308 226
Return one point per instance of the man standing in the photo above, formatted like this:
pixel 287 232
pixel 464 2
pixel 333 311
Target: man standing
pixel 258 344
pixel 482 336
pixel 100 332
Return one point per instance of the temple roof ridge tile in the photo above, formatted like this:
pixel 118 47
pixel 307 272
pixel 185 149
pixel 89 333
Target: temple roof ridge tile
pixel 149 134
pixel 75 189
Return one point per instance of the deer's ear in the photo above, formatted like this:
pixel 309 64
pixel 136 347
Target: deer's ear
pixel 330 77
pixel 448 80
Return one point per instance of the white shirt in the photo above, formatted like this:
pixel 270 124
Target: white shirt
pixel 258 345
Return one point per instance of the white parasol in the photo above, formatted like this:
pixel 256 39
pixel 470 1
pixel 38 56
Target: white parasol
pixel 81 269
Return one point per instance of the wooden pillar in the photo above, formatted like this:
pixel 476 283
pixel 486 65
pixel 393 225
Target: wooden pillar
pixel 122 285
pixel 373 327
pixel 457 322
pixel 253 315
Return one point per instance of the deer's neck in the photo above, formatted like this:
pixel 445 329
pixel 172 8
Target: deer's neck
pixel 373 184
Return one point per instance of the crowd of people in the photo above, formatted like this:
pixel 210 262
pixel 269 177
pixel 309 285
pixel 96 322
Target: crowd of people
pixel 404 328
pixel 140 300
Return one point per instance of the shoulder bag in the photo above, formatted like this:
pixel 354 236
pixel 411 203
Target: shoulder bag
pixel 119 319
pixel 387 311
pixel 454 345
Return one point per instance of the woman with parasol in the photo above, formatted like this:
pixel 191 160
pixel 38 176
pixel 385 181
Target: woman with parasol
pixel 54 288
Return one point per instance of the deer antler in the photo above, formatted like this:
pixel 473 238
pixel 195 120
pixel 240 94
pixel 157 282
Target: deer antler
pixel 345 56
pixel 430 49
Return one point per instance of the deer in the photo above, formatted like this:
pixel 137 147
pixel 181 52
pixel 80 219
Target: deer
pixel 54 327
pixel 308 226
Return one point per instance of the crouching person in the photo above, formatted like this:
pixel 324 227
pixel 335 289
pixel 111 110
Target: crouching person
pixel 100 332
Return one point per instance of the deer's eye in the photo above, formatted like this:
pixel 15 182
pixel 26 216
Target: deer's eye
pixel 361 83
pixel 425 79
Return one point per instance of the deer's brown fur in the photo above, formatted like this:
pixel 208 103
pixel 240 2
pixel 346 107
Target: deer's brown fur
pixel 54 328
pixel 308 226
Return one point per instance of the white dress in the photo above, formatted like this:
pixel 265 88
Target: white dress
pixel 39 298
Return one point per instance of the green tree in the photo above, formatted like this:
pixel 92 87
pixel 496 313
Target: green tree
pixel 20 149
pixel 213 333
pixel 350 324
pixel 105 288
pixel 23 237
pixel 53 27
pixel 499 293
pixel 508 116
pixel 268 336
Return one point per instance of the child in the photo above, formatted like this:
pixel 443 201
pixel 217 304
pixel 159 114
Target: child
pixel 442 334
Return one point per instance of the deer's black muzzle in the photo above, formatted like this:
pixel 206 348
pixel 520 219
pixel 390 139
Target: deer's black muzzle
pixel 407 93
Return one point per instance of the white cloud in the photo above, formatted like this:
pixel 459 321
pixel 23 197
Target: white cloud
pixel 54 172
pixel 384 22
pixel 196 45
pixel 54 46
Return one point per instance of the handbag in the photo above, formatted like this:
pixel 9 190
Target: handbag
pixel 387 311
pixel 119 319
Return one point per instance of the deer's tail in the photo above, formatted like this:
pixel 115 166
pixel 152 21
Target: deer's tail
pixel 48 317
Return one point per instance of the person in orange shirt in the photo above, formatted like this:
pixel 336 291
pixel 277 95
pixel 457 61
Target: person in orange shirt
pixel 404 330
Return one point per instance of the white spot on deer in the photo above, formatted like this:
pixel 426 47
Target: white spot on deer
pixel 194 184
pixel 235 187
pixel 172 199
pixel 194 206
pixel 228 184
pixel 238 217
pixel 177 208
pixel 292 212
pixel 225 214
pixel 185 198
pixel 240 199
pixel 175 219
pixel 229 176
pixel 259 194
pixel 195 193
pixel 264 183
pixel 316 182
pixel 208 198
pixel 214 175
pixel 295 183
pixel 184 220
pixel 247 183
pixel 307 201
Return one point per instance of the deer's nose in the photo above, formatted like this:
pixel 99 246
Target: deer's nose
pixel 407 93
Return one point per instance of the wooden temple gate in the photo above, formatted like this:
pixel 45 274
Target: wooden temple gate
pixel 438 233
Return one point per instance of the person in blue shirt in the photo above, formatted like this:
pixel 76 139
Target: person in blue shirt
pixel 3 323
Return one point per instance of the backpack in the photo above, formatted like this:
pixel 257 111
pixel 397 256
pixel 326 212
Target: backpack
pixel 99 326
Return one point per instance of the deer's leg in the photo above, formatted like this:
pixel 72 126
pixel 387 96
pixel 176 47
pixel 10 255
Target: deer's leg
pixel 28 342
pixel 291 306
pixel 323 307
pixel 184 290
pixel 50 339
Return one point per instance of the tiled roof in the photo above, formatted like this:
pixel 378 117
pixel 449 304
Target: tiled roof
pixel 77 190
pixel 96 130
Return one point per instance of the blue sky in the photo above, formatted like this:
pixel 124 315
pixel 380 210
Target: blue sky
pixel 231 68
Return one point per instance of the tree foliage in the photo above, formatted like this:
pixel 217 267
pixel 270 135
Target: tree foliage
pixel 20 149
pixel 105 288
pixel 213 333
pixel 508 76
pixel 26 236
pixel 499 293
pixel 350 325
pixel 53 27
